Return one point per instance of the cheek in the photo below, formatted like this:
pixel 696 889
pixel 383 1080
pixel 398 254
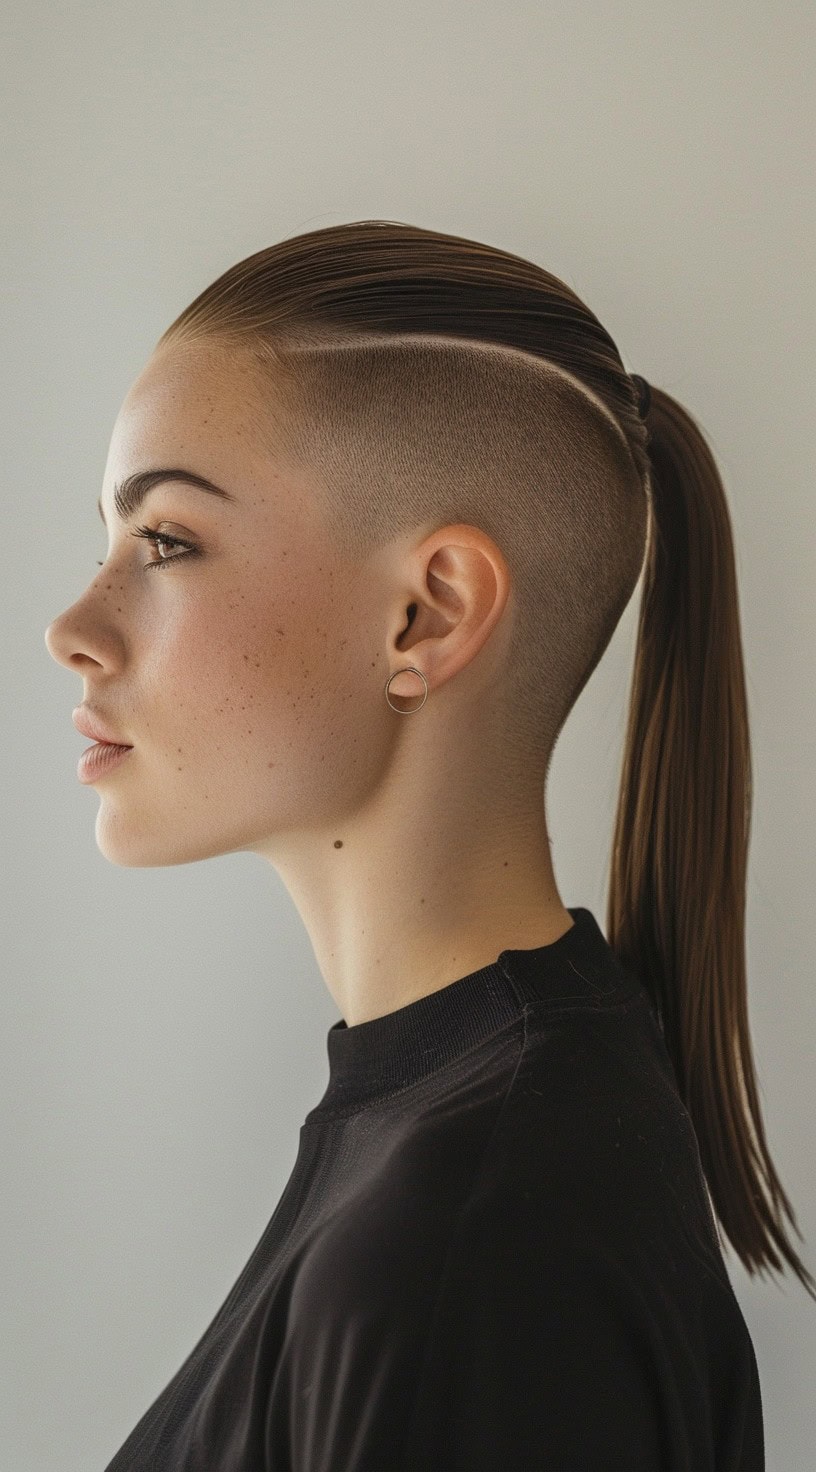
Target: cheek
pixel 289 673
pixel 272 655
pixel 268 704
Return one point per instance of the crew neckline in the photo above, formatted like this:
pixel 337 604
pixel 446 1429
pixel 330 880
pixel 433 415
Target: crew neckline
pixel 373 1059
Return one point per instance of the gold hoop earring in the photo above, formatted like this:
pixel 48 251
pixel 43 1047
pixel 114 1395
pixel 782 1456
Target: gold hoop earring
pixel 414 671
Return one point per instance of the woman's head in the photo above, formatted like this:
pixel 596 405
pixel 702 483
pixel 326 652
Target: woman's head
pixel 387 486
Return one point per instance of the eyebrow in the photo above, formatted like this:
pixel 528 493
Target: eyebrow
pixel 128 497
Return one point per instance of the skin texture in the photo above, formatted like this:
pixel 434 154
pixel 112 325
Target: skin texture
pixel 249 679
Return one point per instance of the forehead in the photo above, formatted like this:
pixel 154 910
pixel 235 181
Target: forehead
pixel 189 398
pixel 209 409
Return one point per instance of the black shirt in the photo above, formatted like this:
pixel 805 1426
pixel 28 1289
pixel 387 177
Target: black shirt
pixel 495 1253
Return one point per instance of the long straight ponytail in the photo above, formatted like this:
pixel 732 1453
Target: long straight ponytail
pixel 676 909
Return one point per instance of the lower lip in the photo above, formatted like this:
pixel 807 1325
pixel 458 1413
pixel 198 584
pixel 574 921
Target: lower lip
pixel 98 760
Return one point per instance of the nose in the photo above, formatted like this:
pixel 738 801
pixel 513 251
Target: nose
pixel 59 647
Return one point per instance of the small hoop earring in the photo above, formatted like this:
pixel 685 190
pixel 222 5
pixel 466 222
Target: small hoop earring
pixel 414 671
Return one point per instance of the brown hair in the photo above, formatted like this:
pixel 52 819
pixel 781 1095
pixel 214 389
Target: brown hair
pixel 426 377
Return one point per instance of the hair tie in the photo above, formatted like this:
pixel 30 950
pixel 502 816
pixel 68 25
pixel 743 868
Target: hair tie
pixel 644 394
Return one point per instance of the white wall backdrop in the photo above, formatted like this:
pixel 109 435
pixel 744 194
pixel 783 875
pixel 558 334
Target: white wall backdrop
pixel 164 1030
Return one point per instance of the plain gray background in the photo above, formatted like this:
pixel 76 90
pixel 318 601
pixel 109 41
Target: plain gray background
pixel 164 1030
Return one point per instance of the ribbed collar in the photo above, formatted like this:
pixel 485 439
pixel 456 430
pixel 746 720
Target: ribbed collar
pixel 372 1059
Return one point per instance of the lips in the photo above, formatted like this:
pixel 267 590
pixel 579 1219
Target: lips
pixel 95 729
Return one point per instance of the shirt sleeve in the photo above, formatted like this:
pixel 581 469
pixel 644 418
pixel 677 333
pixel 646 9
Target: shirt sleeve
pixel 580 1350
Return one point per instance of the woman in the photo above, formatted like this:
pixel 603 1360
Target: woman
pixel 390 472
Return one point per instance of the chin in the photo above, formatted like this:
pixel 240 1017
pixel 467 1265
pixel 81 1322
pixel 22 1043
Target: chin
pixel 134 845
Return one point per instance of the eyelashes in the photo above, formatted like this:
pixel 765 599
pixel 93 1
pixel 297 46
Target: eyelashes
pixel 151 535
pixel 155 537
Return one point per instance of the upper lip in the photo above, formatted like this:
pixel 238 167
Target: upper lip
pixel 91 726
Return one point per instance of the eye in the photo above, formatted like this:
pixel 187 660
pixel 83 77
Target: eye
pixel 156 537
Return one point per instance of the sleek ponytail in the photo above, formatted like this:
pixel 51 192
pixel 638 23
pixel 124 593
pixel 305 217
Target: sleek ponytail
pixel 676 909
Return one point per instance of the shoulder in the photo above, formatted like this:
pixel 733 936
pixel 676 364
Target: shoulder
pixel 584 1314
pixel 593 1147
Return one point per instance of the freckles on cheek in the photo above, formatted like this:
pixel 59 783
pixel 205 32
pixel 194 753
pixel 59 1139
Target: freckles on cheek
pixel 190 666
pixel 238 662
pixel 253 650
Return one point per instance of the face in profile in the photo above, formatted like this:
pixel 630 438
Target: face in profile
pixel 241 661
